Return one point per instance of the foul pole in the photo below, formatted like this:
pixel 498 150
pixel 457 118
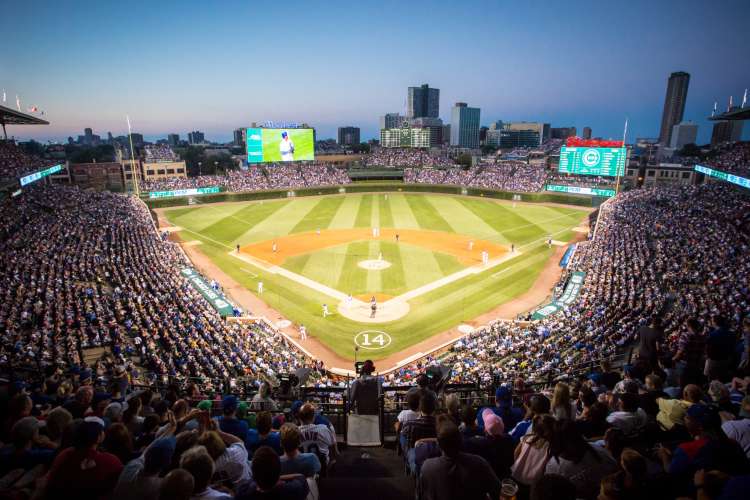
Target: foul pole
pixel 624 135
pixel 133 168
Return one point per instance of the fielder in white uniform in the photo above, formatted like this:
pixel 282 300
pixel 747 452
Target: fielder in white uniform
pixel 286 147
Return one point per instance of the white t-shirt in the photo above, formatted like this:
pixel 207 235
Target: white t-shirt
pixel 321 434
pixel 286 149
pixel 407 415
pixel 233 465
pixel 739 430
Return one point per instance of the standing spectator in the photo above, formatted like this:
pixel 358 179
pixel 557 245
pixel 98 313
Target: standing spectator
pixel 263 435
pixel 318 434
pixel 691 350
pixel 533 451
pixel 228 421
pixel 650 338
pixel 719 348
pixel 562 407
pixel 262 400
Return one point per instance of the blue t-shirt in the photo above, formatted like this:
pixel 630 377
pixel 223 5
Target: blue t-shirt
pixel 510 415
pixel 306 464
pixel 254 441
pixel 234 427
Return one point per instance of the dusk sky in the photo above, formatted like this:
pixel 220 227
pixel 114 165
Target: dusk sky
pixel 215 66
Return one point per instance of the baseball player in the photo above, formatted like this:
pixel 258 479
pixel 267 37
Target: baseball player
pixel 286 147
pixel 325 310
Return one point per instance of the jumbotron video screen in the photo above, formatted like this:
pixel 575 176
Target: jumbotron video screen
pixel 272 145
pixel 584 160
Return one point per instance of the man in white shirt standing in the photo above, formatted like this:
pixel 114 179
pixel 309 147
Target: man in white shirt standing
pixel 318 434
pixel 286 147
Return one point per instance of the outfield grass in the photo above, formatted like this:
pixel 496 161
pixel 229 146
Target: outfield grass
pixel 221 227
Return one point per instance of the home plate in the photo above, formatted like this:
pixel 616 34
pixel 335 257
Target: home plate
pixel 284 323
pixel 466 329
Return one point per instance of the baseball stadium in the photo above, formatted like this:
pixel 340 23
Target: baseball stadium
pixel 411 293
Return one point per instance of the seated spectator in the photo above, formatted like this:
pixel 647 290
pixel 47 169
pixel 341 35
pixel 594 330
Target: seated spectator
pixel 654 391
pixel 82 471
pixel 538 404
pixel 293 461
pixel 140 477
pixel 262 400
pixel 574 458
pixel 58 420
pixel 503 408
pixel 268 483
pixel 229 456
pixel 177 485
pixel 263 435
pixel 410 413
pixel 23 451
pixel 117 441
pixel 672 411
pixel 739 430
pixel 562 406
pixel 200 465
pixel 228 421
pixel 456 474
pixel 553 487
pixel 629 418
pixel 533 451
pixel 469 427
pixel 316 436
pixel 495 446
pixel 593 422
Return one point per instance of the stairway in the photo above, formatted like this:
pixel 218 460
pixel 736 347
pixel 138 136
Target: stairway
pixel 368 473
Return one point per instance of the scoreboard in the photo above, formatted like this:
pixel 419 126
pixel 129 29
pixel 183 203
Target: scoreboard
pixel 609 162
pixel 184 192
pixel 581 190
pixel 725 176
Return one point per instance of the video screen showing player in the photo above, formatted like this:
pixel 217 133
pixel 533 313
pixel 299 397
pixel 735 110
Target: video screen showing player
pixel 271 145
pixel 286 147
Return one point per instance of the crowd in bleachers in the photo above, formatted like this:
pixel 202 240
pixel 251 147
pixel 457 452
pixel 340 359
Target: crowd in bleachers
pixel 159 152
pixel 15 162
pixel 732 157
pixel 407 157
pixel 504 176
pixel 281 176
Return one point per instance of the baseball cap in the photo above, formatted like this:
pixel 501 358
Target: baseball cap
pixel 706 415
pixel 113 411
pixel 296 406
pixel 493 424
pixel 368 366
pixel 229 403
pixel 205 405
pixel 284 134
pixel 159 454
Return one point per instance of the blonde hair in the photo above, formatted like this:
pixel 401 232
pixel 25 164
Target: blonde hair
pixel 561 399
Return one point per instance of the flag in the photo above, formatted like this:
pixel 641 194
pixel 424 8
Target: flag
pixel 744 99
pixel 3 96
pixel 33 109
pixel 18 103
pixel 713 113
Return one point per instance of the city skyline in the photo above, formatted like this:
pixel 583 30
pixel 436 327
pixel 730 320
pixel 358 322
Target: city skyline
pixel 178 67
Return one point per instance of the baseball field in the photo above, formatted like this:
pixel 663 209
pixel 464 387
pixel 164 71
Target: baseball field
pixel 429 262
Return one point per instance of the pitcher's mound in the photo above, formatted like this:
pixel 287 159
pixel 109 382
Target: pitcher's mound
pixel 360 311
pixel 374 264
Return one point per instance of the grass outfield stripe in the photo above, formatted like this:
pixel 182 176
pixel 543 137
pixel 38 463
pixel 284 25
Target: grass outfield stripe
pixel 320 216
pixel 281 223
pixel 447 263
pixel 420 266
pixel 353 279
pixel 205 216
pixel 347 213
pixel 374 281
pixel 394 278
pixel 426 215
pixel 461 219
pixel 233 226
pixel 403 217
pixel 386 215
pixel 375 212
pixel 503 219
pixel 325 266
pixel 364 214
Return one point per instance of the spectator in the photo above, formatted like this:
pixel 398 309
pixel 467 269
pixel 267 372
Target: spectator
pixel 177 485
pixel 292 461
pixel 319 435
pixel 262 435
pixel 533 451
pixel 200 465
pixel 229 422
pixel 629 418
pixel 269 483
pixel 503 408
pixel 140 477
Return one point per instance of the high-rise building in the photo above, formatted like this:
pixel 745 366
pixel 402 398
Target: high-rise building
pixel 683 133
pixel 137 139
pixel 726 131
pixel 423 102
pixel 348 136
pixel 196 137
pixel 436 126
pixel 562 132
pixel 527 134
pixel 446 135
pixel 173 139
pixel 674 105
pixel 587 132
pixel 464 126
pixel 239 137
pixel 391 120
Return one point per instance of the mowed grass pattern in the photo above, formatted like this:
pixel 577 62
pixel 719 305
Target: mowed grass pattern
pixel 221 227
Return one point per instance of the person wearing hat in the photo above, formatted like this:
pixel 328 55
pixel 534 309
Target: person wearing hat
pixel 503 408
pixel 495 446
pixel 22 451
pixel 286 147
pixel 82 471
pixel 140 477
pixel 228 421
pixel 366 390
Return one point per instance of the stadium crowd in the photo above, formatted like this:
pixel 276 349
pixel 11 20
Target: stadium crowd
pixel 257 178
pixel 666 272
pixel 159 152
pixel 407 157
pixel 15 162
pixel 505 175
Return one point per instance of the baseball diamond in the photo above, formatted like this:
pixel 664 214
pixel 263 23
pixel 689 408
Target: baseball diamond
pixel 307 252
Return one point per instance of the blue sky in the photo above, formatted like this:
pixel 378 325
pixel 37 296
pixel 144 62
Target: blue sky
pixel 215 66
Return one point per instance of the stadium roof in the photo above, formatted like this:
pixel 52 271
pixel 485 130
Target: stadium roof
pixel 736 114
pixel 9 116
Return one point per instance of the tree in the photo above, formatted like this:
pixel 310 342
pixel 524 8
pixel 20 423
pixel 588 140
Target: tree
pixel 464 159
pixel 690 150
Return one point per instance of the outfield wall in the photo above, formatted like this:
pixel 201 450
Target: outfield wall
pixel 386 187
